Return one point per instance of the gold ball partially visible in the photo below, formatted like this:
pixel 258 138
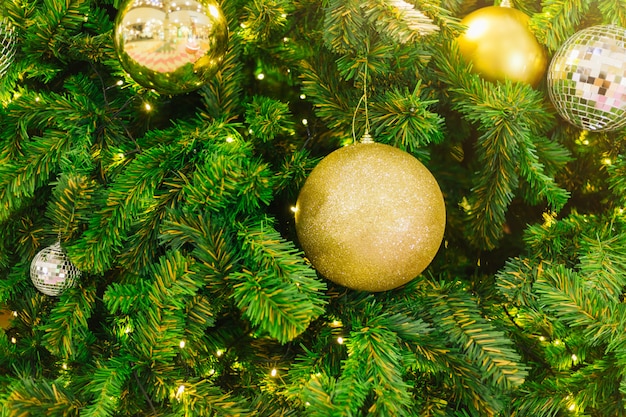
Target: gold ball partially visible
pixel 172 47
pixel 370 217
pixel 500 45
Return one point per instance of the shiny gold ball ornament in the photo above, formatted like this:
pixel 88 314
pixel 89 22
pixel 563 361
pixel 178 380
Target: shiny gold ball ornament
pixel 370 217
pixel 52 272
pixel 500 46
pixel 171 46
pixel 587 78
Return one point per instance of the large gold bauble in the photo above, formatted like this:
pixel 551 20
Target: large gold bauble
pixel 171 46
pixel 370 217
pixel 500 46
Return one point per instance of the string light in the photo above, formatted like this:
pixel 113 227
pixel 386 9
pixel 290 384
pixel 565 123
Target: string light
pixel 293 209
pixel 64 366
pixel 305 122
pixel 180 392
pixel 340 340
pixel 219 352
pixel 230 139
pixel 13 340
pixel 302 96
pixel 182 344
pixel 574 357
pixel 147 106
pixel 273 372
pixel 261 76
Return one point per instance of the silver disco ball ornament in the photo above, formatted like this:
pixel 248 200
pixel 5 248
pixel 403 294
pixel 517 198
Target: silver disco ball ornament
pixel 587 78
pixel 52 272
pixel 7 45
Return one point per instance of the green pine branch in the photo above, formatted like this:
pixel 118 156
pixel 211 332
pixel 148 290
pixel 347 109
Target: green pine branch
pixel 106 386
pixel 457 314
pixel 67 329
pixel 558 20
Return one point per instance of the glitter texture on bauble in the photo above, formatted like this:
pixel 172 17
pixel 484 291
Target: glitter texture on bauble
pixel 370 217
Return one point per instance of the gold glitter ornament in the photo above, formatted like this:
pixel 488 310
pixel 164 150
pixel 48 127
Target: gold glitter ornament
pixel 587 78
pixel 370 217
pixel 500 45
pixel 171 46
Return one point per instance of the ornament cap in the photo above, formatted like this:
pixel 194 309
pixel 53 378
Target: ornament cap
pixel 367 138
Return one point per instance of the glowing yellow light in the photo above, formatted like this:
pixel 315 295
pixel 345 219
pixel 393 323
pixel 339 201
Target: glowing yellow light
pixel 180 391
pixel 127 330
pixel 273 373
pixel 543 339
pixel 147 106
pixel 182 344
pixel 120 82
pixel 572 407
pixel 13 340
pixel 336 323
pixel 294 209
pixel 64 366
pixel 557 342
pixel 305 122
pixel 219 352
pixel 37 99
pixel 607 161
pixel 302 96
pixel 230 139
pixel 211 371
pixel 574 357
pixel 260 76
pixel 586 142
pixel 15 314
pixel 340 340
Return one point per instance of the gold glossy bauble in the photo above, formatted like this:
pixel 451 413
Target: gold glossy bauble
pixel 587 78
pixel 500 46
pixel 370 217
pixel 171 46
pixel 5 318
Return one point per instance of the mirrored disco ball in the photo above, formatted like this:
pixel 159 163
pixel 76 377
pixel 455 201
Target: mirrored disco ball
pixel 52 272
pixel 7 45
pixel 587 78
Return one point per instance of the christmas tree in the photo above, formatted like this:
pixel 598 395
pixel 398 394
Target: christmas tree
pixel 192 295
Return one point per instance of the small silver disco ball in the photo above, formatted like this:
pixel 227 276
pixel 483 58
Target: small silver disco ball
pixel 52 272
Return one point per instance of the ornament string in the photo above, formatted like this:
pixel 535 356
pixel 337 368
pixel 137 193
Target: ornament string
pixel 366 136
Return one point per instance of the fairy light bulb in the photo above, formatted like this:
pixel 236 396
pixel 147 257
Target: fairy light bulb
pixel 182 344
pixel 273 372
pixel 340 340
